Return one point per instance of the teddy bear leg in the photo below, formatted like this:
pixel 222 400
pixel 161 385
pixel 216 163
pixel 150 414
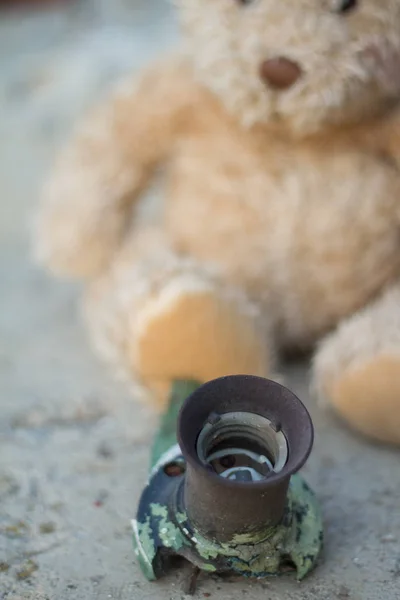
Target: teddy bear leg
pixel 357 369
pixel 164 317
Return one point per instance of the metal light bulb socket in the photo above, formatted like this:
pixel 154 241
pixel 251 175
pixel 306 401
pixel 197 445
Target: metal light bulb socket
pixel 224 493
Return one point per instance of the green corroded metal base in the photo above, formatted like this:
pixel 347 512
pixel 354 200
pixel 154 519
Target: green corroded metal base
pixel 162 530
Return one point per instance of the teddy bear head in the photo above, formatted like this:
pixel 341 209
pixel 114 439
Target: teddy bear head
pixel 302 64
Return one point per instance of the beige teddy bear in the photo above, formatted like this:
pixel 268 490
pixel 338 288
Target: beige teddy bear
pixel 278 129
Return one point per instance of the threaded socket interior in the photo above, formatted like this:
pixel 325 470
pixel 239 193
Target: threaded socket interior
pixel 242 446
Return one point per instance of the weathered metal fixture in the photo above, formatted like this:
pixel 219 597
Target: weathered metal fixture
pixel 222 491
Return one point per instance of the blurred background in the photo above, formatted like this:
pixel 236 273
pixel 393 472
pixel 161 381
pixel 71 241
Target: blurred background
pixel 56 58
pixel 74 443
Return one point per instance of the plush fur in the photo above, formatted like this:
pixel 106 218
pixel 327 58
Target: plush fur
pixel 280 227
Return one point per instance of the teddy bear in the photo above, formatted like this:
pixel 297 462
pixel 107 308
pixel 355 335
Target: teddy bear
pixel 273 135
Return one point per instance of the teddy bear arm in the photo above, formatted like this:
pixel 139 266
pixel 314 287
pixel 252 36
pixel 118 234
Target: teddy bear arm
pixel 87 203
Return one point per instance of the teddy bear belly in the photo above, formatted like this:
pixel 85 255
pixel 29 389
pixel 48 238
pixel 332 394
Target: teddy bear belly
pixel 309 261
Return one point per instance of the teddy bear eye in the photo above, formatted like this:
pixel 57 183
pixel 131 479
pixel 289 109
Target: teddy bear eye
pixel 346 6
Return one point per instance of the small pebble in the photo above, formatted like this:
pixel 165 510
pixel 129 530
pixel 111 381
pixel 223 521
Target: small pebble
pixel 8 485
pixel 105 451
pixel 27 570
pixel 46 528
pixel 101 498
pixel 386 539
pixel 17 530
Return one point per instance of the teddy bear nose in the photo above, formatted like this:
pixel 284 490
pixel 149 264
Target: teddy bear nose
pixel 280 73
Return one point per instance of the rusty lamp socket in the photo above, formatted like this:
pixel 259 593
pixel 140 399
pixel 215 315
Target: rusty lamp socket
pixel 227 497
pixel 221 507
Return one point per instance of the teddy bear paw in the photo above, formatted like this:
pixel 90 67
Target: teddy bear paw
pixel 367 396
pixel 197 330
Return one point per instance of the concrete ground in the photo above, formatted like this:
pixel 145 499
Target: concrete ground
pixel 74 443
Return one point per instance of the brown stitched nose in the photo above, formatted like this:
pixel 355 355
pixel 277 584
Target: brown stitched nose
pixel 280 73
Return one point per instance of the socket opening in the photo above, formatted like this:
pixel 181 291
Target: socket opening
pixel 242 446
